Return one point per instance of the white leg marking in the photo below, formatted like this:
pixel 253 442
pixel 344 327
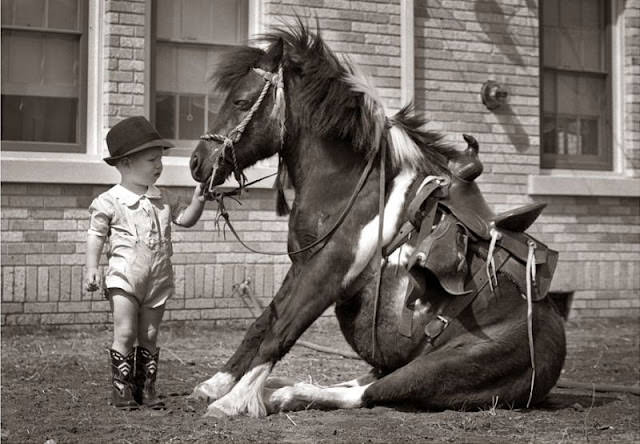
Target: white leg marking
pixel 214 388
pixel 369 234
pixel 304 395
pixel 246 395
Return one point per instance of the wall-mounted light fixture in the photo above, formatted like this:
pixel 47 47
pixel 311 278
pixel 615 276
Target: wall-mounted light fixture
pixel 493 95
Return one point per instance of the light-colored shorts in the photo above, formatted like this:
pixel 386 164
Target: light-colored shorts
pixel 144 273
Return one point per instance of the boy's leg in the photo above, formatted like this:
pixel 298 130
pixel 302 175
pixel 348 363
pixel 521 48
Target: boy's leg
pixel 125 329
pixel 148 326
pixel 147 355
pixel 125 320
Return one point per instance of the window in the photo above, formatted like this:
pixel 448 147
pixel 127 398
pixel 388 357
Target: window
pixel 44 52
pixel 576 84
pixel 189 36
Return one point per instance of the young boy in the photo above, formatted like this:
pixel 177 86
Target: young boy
pixel 136 217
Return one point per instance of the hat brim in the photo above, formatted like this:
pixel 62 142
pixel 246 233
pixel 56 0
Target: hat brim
pixel 158 143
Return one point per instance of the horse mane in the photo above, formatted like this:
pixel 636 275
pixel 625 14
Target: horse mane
pixel 339 101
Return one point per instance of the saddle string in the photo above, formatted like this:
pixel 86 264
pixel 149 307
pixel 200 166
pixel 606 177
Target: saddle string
pixel 531 282
pixel 491 264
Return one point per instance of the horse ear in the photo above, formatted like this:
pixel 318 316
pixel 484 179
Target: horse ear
pixel 273 56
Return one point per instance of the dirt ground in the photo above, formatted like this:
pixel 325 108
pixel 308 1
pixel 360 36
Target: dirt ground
pixel 55 386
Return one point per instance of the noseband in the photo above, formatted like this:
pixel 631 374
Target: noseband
pixel 228 141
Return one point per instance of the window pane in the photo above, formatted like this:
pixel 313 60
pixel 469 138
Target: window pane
pixel 591 98
pixel 567 94
pixel 21 58
pixel 61 62
pixel 63 14
pixel 39 119
pixel 570 13
pixel 191 118
pixel 7 11
pixel 591 13
pixel 29 13
pixel 592 54
pixel 166 115
pixel 572 138
pixel 550 94
pixel 570 49
pixel 549 135
pixel 167 26
pixel 550 9
pixel 589 136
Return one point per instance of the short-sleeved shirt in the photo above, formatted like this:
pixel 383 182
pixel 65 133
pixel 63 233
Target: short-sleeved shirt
pixel 139 231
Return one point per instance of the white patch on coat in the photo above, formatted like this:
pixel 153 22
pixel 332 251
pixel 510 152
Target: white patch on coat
pixel 215 387
pixel 246 397
pixel 369 235
pixel 404 151
pixel 304 395
pixel 400 256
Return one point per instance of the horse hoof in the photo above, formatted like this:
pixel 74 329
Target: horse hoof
pixel 215 412
pixel 199 394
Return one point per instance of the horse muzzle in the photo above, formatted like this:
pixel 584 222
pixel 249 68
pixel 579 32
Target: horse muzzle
pixel 208 167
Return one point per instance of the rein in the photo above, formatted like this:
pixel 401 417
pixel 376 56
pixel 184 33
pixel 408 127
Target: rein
pixel 219 198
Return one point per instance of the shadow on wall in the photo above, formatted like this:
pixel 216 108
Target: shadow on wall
pixel 510 122
pixel 495 23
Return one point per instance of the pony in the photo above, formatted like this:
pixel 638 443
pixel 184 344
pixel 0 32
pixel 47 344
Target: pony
pixel 356 173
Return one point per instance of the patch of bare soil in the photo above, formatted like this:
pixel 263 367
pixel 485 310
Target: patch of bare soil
pixel 55 386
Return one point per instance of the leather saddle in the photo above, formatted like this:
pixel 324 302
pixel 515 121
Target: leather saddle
pixel 454 221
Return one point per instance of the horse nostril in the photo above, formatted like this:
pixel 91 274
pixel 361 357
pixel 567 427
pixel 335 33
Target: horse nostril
pixel 194 165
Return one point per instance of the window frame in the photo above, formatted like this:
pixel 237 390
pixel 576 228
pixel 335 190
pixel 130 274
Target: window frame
pixel 618 181
pixel 605 160
pixel 184 147
pixel 84 14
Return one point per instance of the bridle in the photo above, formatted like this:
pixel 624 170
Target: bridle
pixel 228 141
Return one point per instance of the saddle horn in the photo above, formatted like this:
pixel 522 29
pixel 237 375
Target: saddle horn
pixel 468 165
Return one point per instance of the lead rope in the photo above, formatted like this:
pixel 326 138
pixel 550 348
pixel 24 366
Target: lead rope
pixel 531 281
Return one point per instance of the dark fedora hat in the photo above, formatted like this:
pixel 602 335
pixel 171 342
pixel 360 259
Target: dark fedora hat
pixel 130 136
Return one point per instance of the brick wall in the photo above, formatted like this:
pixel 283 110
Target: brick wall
pixel 124 48
pixel 632 87
pixel 459 44
pixel 43 256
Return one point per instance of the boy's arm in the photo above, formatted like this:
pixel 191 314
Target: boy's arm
pixel 94 250
pixel 192 213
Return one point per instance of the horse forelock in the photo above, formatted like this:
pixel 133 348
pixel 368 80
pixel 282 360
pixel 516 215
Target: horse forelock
pixel 234 65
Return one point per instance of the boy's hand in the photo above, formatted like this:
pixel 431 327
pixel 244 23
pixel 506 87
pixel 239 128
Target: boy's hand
pixel 92 280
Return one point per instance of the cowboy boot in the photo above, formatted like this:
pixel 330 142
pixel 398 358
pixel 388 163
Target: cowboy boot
pixel 146 371
pixel 122 380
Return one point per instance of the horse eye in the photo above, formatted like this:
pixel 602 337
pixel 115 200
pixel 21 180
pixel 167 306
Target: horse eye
pixel 242 104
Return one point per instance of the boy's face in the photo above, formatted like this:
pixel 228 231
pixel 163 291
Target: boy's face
pixel 145 167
